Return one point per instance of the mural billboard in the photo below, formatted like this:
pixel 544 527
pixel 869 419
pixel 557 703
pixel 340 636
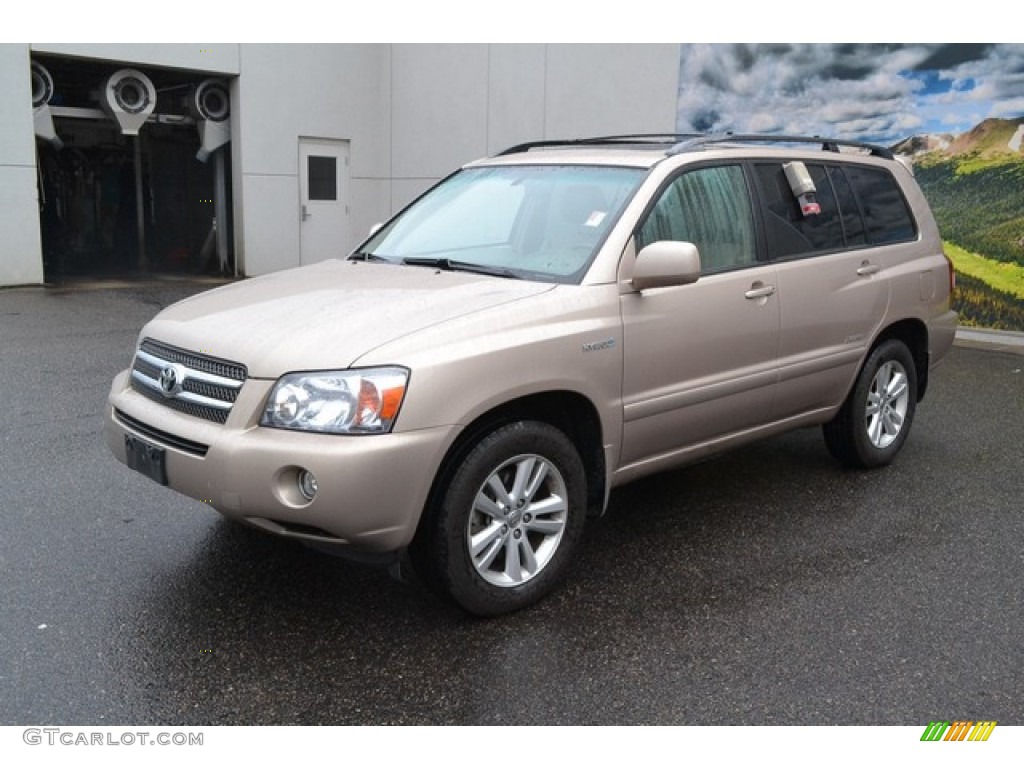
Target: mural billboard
pixel 956 109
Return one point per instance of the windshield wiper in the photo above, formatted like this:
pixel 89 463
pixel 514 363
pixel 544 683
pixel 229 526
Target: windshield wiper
pixel 450 265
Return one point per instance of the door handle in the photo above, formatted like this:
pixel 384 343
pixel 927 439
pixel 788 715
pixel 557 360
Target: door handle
pixel 305 212
pixel 760 291
pixel 867 268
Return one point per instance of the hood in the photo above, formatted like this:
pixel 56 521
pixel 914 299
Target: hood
pixel 326 315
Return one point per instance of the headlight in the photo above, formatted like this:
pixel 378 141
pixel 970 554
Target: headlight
pixel 339 402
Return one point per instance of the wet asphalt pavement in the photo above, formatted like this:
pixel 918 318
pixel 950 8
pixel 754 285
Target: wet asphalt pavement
pixel 768 586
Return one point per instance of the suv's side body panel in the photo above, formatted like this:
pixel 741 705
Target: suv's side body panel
pixel 567 339
pixel 700 362
pixel 830 315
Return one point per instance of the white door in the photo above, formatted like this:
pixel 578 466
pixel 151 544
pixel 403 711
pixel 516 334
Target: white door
pixel 324 229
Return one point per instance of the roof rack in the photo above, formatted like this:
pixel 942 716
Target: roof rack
pixel 674 139
pixel 694 143
pixel 691 142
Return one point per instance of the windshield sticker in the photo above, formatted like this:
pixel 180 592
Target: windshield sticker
pixel 595 219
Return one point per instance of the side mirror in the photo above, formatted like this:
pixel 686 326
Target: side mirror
pixel 666 263
pixel 375 228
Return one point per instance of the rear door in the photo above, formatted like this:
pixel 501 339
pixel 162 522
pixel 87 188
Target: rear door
pixel 700 359
pixel 833 285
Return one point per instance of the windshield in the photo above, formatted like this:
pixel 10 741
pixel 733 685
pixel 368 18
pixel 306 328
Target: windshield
pixel 540 222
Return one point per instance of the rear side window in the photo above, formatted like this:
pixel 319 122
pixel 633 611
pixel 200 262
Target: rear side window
pixel 709 207
pixel 860 205
pixel 853 223
pixel 790 232
pixel 887 218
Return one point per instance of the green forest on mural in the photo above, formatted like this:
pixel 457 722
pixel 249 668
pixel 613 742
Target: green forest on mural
pixel 976 190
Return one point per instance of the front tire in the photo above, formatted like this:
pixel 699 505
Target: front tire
pixel 874 422
pixel 508 522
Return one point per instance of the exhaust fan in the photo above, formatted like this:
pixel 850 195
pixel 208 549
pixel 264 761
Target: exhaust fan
pixel 42 92
pixel 129 97
pixel 210 105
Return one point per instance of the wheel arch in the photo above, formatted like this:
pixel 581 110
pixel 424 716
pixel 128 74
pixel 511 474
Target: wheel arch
pixel 570 412
pixel 914 334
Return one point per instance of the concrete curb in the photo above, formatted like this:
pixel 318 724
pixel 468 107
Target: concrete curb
pixel 993 341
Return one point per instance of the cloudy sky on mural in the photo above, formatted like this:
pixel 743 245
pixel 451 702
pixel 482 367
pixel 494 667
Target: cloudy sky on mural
pixel 881 93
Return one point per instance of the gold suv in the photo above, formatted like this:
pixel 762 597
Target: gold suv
pixel 538 328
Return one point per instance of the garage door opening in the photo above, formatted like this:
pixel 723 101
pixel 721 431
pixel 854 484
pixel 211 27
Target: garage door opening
pixel 134 171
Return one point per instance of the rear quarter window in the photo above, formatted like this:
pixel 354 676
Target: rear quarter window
pixel 860 206
pixel 887 217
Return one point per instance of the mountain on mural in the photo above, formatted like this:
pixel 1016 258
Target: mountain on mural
pixel 923 144
pixel 975 184
pixel 993 140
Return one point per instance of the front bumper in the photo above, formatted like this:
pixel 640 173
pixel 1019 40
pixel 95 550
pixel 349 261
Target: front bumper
pixel 371 488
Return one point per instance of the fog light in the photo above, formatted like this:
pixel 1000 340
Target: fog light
pixel 307 484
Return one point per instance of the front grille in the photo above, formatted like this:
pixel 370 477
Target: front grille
pixel 198 362
pixel 199 385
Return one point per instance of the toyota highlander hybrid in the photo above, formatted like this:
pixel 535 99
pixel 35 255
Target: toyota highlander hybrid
pixel 465 389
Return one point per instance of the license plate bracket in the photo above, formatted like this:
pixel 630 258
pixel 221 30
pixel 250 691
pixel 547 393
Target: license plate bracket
pixel 148 459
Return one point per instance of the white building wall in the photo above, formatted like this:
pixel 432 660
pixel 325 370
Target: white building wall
pixel 611 89
pixel 21 261
pixel 455 103
pixel 315 91
pixel 215 58
pixel 439 113
pixel 412 113
pixel 517 95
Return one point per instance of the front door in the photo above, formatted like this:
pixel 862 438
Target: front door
pixel 324 228
pixel 700 360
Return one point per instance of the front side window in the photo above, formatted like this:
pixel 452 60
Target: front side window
pixel 542 222
pixel 709 207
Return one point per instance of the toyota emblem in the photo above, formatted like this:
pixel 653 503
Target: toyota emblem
pixel 171 379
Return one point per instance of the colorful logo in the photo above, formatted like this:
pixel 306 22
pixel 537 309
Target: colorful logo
pixel 959 730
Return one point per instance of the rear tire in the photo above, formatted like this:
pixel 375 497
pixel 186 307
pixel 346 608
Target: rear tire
pixel 874 422
pixel 506 525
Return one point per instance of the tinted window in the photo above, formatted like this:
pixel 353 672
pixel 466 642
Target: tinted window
pixel 790 232
pixel 709 207
pixel 886 215
pixel 323 178
pixel 853 224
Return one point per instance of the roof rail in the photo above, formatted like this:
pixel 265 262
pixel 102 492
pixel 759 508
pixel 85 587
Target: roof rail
pixel 626 138
pixel 694 143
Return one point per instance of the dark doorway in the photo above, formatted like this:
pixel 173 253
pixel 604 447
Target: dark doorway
pixel 89 188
